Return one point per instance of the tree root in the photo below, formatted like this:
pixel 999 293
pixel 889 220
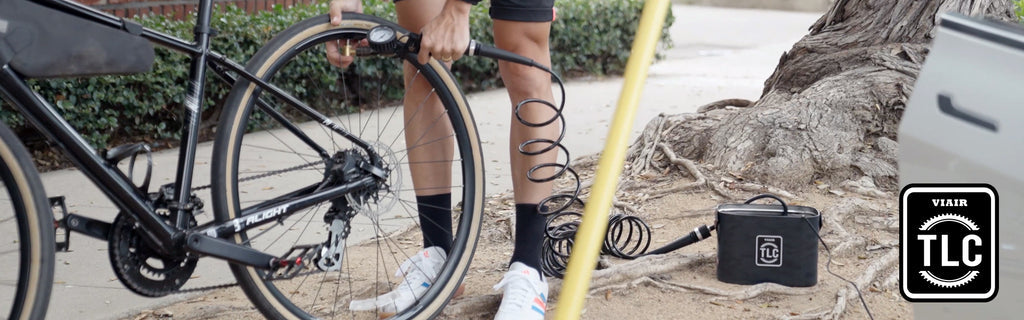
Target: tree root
pixel 749 293
pixel 642 267
pixel 836 215
pixel 625 206
pixel 684 164
pixel 586 161
pixel 848 243
pixel 739 103
pixel 892 281
pixel 686 214
pixel 864 187
pixel 847 293
pixel 647 154
pixel 648 281
pixel 641 154
pixel 760 188
pixel 689 166
pixel 746 294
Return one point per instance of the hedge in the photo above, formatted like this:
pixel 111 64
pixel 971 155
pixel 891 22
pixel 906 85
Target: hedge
pixel 589 37
pixel 1019 10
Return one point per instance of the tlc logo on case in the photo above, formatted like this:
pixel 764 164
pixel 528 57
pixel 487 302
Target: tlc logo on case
pixel 948 248
pixel 769 251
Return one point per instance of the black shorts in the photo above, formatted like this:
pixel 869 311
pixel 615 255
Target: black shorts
pixel 521 10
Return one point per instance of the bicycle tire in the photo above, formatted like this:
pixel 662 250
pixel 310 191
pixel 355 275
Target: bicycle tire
pixel 31 226
pixel 240 115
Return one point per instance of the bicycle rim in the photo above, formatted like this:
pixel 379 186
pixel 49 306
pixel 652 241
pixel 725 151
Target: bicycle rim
pixel 253 144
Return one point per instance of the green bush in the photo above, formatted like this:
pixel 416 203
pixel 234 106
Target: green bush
pixel 1019 10
pixel 589 37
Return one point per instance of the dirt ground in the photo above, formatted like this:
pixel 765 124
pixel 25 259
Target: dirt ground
pixel 861 228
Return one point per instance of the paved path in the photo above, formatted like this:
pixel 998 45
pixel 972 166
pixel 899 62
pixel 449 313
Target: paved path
pixel 718 54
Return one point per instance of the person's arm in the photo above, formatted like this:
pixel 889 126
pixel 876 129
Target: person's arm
pixel 447 35
pixel 334 54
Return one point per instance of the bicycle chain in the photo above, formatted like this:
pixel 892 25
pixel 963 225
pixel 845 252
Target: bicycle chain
pixel 261 176
pixel 246 179
pixel 229 285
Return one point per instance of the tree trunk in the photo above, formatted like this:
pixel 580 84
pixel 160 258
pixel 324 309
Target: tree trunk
pixel 830 111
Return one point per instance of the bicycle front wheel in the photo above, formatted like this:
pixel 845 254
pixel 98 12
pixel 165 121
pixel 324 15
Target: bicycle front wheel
pixel 270 149
pixel 26 234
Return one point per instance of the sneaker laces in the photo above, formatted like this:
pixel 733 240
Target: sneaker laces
pixel 419 274
pixel 520 291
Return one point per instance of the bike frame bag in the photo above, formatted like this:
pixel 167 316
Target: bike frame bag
pixel 768 243
pixel 42 42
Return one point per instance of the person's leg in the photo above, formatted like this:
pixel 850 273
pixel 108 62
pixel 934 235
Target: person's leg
pixel 523 27
pixel 428 136
pixel 529 39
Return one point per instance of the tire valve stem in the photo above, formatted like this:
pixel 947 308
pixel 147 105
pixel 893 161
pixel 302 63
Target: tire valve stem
pixel 348 51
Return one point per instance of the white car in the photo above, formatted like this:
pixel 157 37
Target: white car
pixel 965 124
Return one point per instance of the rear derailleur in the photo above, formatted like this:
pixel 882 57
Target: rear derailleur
pixel 326 256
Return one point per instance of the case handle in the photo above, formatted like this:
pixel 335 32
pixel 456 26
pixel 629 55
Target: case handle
pixel 785 209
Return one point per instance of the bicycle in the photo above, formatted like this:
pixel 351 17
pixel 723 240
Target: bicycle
pixel 282 169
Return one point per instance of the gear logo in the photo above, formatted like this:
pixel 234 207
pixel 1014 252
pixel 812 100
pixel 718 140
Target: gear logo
pixel 948 242
pixel 965 223
pixel 769 251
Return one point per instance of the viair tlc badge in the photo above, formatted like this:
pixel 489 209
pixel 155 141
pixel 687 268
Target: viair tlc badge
pixel 948 244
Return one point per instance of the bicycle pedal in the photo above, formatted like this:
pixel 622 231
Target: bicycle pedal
pixel 70 222
pixel 57 204
pixel 294 261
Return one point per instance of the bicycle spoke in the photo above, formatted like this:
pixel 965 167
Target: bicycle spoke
pixel 375 246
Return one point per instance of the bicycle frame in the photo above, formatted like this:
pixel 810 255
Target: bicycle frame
pixel 170 239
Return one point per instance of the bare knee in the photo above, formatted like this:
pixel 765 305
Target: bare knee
pixel 528 39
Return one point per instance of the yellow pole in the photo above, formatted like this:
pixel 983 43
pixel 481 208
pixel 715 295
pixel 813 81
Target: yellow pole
pixel 590 235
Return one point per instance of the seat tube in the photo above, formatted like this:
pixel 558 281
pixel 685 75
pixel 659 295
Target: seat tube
pixel 193 105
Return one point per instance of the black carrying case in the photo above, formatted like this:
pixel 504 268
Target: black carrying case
pixel 41 42
pixel 768 243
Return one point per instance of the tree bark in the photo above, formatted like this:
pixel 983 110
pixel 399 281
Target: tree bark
pixel 830 111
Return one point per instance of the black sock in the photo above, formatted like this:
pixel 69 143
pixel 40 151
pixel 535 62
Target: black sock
pixel 529 236
pixel 436 220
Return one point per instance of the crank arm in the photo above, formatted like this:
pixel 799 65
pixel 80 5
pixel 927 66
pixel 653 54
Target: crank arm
pixel 230 251
pixel 87 226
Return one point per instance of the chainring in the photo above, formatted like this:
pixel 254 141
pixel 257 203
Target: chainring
pixel 141 269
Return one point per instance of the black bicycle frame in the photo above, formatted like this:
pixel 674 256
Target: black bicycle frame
pixel 167 238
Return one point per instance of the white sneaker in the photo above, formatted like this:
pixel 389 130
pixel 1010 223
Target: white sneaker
pixel 525 294
pixel 420 271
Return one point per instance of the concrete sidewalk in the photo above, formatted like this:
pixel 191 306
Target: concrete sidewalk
pixel 718 54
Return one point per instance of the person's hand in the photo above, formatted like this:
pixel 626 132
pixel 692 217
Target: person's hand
pixel 334 54
pixel 447 35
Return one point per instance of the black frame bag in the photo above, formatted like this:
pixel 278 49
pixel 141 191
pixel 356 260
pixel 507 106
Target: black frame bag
pixel 768 243
pixel 41 42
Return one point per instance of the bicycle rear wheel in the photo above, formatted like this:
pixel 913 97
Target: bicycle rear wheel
pixel 26 234
pixel 267 151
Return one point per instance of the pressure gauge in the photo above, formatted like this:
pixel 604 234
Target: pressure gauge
pixel 382 39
